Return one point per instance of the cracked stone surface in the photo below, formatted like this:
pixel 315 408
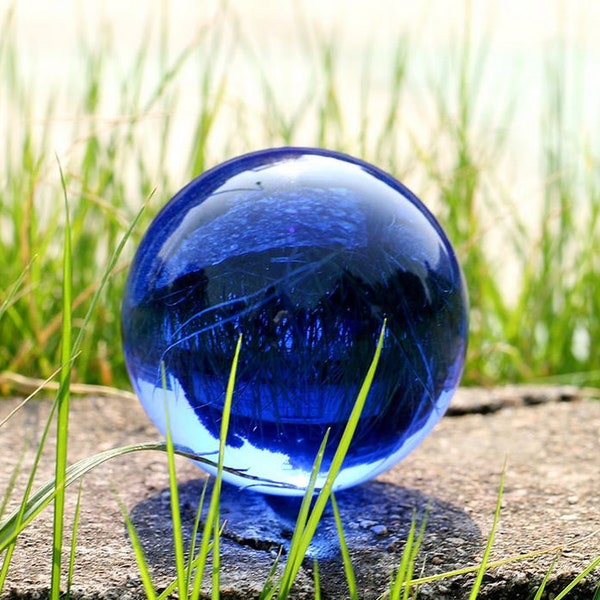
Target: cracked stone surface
pixel 549 438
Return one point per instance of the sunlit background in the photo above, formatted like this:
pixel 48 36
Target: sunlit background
pixel 494 102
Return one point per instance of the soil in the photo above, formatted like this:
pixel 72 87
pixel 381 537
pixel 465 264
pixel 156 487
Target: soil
pixel 545 439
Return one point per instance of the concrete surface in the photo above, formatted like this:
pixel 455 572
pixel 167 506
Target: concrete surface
pixel 549 437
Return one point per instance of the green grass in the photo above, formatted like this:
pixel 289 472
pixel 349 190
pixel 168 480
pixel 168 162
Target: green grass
pixel 535 323
pixel 70 221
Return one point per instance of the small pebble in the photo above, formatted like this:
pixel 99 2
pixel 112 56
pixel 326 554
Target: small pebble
pixel 456 541
pixel 379 529
pixel 570 517
pixel 367 524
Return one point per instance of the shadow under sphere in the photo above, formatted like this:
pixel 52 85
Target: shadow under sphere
pixel 376 517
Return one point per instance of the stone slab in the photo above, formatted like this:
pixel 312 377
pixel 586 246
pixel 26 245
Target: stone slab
pixel 551 447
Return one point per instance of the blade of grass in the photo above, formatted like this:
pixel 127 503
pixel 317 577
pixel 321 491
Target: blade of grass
pixel 14 524
pixel 105 278
pixel 402 584
pixel 32 386
pixel 475 568
pixel 217 489
pixel 316 579
pixel 40 385
pixel 138 551
pixel 172 587
pixel 74 532
pixel 591 567
pixel 216 562
pixel 400 578
pixel 268 588
pixel 12 480
pixel 540 591
pixel 63 399
pixel 414 551
pixel 12 292
pixel 11 527
pixel 348 569
pixel 195 530
pixel 175 510
pixel 486 555
pixel 28 510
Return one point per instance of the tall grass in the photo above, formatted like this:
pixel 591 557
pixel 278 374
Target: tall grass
pixel 536 322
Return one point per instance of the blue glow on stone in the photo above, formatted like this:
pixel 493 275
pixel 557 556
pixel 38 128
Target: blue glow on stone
pixel 304 252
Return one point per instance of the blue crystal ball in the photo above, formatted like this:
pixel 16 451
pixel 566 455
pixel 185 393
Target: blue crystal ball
pixel 304 252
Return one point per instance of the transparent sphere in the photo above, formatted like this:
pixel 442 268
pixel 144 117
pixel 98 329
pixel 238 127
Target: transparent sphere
pixel 304 252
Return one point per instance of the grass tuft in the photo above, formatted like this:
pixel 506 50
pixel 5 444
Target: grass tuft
pixel 138 551
pixel 307 522
pixel 402 581
pixel 535 322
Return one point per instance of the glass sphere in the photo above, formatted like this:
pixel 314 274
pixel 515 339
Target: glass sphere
pixel 304 252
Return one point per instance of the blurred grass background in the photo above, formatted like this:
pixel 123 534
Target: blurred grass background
pixel 486 110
